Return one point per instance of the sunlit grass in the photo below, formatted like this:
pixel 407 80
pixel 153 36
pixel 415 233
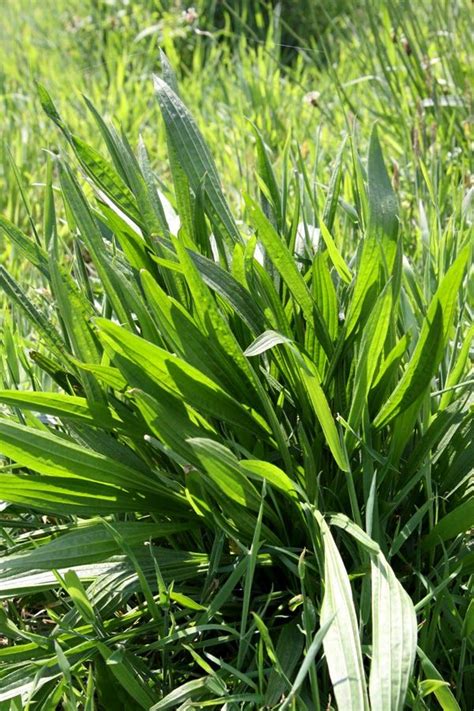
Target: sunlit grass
pixel 236 429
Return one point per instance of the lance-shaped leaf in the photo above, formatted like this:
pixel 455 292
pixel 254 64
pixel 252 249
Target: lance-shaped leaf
pixel 177 376
pixel 90 542
pixel 457 521
pixel 73 468
pixel 430 346
pixel 393 639
pixel 394 632
pixel 286 266
pixel 341 642
pixel 383 207
pixel 193 154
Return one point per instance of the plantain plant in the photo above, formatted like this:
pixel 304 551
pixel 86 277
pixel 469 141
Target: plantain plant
pixel 236 454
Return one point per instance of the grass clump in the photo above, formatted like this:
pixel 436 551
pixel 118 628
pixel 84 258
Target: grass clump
pixel 236 428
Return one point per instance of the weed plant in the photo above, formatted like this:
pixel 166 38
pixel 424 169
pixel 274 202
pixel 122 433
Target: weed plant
pixel 236 433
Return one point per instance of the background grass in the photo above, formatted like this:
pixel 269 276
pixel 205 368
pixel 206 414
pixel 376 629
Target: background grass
pixel 313 89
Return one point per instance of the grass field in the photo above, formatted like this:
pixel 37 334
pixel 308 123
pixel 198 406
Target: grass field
pixel 236 413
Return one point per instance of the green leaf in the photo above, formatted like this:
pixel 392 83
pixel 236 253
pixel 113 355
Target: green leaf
pixel 27 247
pixel 47 105
pixel 312 382
pixel 64 406
pixel 271 474
pixel 266 340
pixel 460 520
pixel 383 207
pixel 334 255
pixel 443 693
pixel 456 373
pixel 468 623
pixel 193 154
pixel 128 677
pixel 286 266
pixel 308 661
pixel 114 287
pixel 37 318
pixel 106 179
pixel 324 293
pixel 430 686
pixel 408 529
pixel 215 326
pixel 267 175
pixel 223 283
pixel 334 188
pixel 168 73
pixel 430 346
pixel 76 312
pixel 56 495
pixel 71 467
pixel 89 542
pixel 309 376
pixel 183 336
pixel 173 422
pixel 78 595
pixel 223 469
pixel 366 285
pixel 267 640
pixel 183 693
pixel 341 641
pixel 394 634
pixel 370 351
pixel 174 374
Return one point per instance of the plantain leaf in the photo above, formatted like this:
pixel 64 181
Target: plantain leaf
pixel 457 521
pixel 266 340
pixel 430 346
pixel 394 637
pixel 89 543
pixel 75 471
pixel 370 351
pixel 223 468
pixel 383 208
pixel 341 641
pixel 334 255
pixel 180 378
pixel 106 179
pixel 193 154
pixel 28 249
pixel 63 406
